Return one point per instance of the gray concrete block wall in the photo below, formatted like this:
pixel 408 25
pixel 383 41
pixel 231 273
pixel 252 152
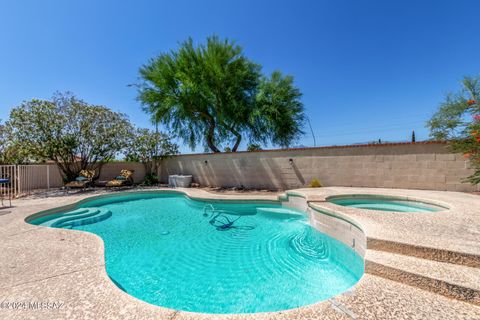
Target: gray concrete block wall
pixel 413 166
pixel 112 169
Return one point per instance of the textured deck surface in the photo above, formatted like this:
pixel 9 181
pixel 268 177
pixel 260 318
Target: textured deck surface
pixel 40 264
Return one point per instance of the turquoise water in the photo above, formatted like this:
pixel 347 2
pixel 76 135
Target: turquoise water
pixel 252 257
pixel 372 203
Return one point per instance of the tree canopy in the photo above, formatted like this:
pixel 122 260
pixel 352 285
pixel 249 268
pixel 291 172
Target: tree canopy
pixel 11 150
pixel 72 133
pixel 3 144
pixel 149 147
pixel 458 122
pixel 211 94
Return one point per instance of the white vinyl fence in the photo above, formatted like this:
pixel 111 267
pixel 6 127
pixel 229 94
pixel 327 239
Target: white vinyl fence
pixel 24 179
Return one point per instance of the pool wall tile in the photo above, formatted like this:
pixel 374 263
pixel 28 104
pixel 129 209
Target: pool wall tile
pixel 333 226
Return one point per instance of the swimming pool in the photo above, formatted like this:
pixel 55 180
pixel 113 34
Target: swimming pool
pixel 213 257
pixel 384 203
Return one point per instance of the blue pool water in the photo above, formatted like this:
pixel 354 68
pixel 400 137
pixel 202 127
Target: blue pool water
pixel 382 204
pixel 250 257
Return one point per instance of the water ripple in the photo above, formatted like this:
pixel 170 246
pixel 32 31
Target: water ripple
pixel 164 251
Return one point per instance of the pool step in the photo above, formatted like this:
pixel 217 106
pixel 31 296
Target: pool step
pixel 428 253
pixel 79 217
pixel 281 213
pixel 451 280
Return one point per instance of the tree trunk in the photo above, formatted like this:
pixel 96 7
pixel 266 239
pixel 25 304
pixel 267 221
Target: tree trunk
pixel 237 142
pixel 67 174
pixel 210 136
pixel 237 135
pixel 98 166
pixel 210 143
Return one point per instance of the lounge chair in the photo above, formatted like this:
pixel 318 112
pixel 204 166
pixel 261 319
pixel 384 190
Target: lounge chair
pixel 84 180
pixel 124 179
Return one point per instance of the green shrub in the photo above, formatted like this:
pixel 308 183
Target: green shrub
pixel 150 179
pixel 254 147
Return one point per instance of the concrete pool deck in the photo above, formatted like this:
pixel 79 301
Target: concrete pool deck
pixel 418 265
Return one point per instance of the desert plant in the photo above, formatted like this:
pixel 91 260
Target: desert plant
pixel 149 147
pixel 254 147
pixel 458 122
pixel 150 179
pixel 315 183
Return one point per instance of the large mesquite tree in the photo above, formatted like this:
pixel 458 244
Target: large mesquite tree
pixel 458 122
pixel 72 133
pixel 212 94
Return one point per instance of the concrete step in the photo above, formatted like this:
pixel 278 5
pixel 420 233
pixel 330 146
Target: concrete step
pixel 281 213
pixel 50 222
pixel 418 251
pixel 451 280
pixel 100 215
pixel 79 217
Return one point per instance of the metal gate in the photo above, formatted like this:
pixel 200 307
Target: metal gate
pixel 20 180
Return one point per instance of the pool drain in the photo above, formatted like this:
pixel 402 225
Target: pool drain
pixel 222 223
pixel 220 220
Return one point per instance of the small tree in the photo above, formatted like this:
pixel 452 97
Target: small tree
pixel 413 136
pixel 12 151
pixel 67 130
pixel 458 122
pixel 254 147
pixel 150 147
pixel 3 144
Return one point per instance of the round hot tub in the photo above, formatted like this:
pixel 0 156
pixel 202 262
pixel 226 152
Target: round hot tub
pixel 384 203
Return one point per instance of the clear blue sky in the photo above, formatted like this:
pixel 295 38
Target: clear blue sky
pixel 367 69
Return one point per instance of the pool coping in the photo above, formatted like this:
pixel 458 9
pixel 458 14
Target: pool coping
pixel 357 216
pixel 311 196
pixel 77 204
pixel 442 205
pixel 177 191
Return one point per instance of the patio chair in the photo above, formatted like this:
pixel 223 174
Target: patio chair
pixel 124 179
pixel 84 180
